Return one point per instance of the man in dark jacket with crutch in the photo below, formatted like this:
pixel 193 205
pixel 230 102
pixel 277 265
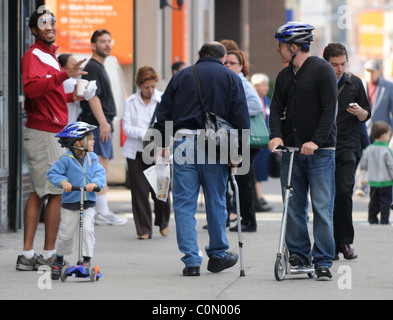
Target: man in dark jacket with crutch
pixel 223 94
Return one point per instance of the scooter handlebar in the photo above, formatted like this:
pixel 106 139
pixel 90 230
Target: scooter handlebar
pixel 96 189
pixel 286 149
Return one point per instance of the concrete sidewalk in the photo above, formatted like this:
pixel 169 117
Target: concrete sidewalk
pixel 152 269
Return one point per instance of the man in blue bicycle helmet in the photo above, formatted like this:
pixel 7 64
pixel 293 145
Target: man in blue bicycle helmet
pixel 295 33
pixel 303 115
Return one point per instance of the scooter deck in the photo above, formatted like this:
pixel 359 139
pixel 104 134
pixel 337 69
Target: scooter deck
pixel 80 271
pixel 301 270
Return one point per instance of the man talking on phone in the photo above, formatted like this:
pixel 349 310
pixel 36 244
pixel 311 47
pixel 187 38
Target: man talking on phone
pixel 353 110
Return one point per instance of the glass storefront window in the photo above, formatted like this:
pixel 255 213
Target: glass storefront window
pixel 3 89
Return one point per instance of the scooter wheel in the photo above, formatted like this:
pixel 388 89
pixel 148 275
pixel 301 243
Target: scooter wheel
pixel 63 273
pixel 311 275
pixel 92 274
pixel 97 271
pixel 280 268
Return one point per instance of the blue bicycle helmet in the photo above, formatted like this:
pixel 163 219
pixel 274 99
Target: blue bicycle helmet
pixel 295 32
pixel 73 132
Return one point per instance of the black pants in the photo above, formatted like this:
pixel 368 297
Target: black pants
pixel 141 209
pixel 246 193
pixel 346 164
pixel 380 201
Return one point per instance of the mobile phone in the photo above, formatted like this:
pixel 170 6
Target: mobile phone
pixel 352 104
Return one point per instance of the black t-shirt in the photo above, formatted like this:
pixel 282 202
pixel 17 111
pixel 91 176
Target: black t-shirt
pixel 96 71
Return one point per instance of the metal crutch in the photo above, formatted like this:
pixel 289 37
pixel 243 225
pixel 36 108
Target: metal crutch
pixel 239 227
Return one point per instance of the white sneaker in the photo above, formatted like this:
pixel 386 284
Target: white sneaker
pixel 110 219
pixel 360 193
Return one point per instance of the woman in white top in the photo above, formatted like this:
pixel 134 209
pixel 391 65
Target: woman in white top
pixel 138 112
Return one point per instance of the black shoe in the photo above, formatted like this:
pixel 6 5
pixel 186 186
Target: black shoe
pixel 191 271
pixel 295 261
pixel 266 208
pixel 244 228
pixel 216 264
pixel 258 206
pixel 262 201
pixel 262 206
pixel 323 274
pixel 206 226
pixel 56 269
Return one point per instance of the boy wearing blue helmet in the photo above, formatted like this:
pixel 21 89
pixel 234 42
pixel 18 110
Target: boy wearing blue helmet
pixel 78 167
pixel 303 115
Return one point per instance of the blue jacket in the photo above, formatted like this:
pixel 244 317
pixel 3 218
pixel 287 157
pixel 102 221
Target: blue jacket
pixel 382 109
pixel 253 100
pixel 67 168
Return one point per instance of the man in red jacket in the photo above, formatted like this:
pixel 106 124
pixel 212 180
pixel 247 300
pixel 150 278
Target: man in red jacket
pixel 47 114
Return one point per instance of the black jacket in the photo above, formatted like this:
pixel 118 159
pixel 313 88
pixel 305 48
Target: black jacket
pixel 348 125
pixel 304 106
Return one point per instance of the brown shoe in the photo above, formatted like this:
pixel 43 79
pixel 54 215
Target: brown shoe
pixel 348 252
pixel 164 232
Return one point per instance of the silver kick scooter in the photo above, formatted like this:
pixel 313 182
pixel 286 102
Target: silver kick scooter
pixel 282 266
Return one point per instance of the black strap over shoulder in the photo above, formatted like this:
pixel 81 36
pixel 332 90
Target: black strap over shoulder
pixel 198 85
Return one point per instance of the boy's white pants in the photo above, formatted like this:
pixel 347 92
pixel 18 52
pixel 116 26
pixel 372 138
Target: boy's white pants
pixel 69 230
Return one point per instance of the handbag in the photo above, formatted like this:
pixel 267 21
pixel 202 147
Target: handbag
pixel 259 134
pixel 149 137
pixel 217 130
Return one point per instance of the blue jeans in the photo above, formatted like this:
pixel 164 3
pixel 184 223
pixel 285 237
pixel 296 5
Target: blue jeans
pixel 317 174
pixel 188 177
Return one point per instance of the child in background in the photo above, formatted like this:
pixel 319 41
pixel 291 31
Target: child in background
pixel 377 160
pixel 79 167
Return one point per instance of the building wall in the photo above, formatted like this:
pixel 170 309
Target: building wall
pixel 252 25
pixel 227 20
pixel 264 18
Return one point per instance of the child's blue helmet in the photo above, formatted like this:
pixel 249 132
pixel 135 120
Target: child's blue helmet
pixel 73 132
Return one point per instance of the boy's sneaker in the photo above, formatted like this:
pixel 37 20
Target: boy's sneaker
pixel 323 274
pixel 45 262
pixel 56 269
pixel 87 266
pixel 109 220
pixel 26 264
